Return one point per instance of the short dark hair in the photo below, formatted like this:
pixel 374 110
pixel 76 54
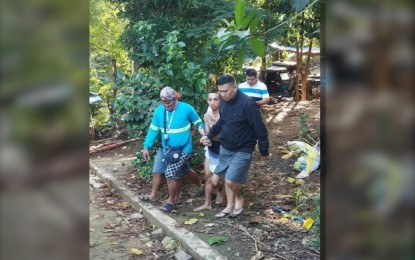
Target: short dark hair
pixel 213 91
pixel 251 72
pixel 225 79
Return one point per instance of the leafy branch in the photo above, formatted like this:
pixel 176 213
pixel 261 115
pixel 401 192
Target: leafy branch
pixel 292 18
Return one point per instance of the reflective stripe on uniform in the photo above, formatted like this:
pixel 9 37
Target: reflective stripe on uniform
pixel 177 130
pixel 155 128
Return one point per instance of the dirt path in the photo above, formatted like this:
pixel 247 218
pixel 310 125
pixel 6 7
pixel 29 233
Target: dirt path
pixel 268 186
pixel 115 228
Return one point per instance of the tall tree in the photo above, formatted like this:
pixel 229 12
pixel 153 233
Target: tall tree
pixel 263 22
pixel 303 29
pixel 195 21
pixel 108 58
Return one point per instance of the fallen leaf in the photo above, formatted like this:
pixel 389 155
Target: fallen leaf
pixel 135 251
pixel 283 219
pixel 217 239
pixel 290 180
pixel 300 182
pixel 283 196
pixel 112 243
pixel 288 155
pixel 308 223
pixel 201 214
pixel 190 221
pixel 125 204
pixel 256 220
pixel 210 225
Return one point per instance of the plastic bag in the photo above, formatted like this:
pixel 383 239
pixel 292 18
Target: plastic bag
pixel 309 159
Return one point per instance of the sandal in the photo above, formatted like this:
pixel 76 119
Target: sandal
pixel 222 215
pixel 167 207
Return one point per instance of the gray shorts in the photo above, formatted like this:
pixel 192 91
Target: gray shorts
pixel 160 166
pixel 234 166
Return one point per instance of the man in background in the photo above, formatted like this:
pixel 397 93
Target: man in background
pixel 254 88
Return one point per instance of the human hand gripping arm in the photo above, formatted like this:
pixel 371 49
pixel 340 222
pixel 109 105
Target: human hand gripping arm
pixel 204 140
pixel 197 121
pixel 215 130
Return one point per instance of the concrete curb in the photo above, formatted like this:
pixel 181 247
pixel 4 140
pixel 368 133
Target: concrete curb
pixel 198 248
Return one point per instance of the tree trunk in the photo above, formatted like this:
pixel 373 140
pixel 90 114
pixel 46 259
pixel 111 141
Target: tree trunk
pixel 305 74
pixel 297 72
pixel 263 68
pixel 114 92
pixel 133 67
pixel 299 45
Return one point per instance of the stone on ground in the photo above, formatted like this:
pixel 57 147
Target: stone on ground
pixel 181 255
pixel 168 243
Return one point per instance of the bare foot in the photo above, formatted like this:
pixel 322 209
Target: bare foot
pixel 219 199
pixel 239 204
pixel 204 206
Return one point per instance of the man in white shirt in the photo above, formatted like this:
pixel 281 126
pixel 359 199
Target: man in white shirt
pixel 254 88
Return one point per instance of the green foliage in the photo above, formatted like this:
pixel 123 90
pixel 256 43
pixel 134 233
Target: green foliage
pixel 139 95
pixel 304 127
pixel 299 5
pixel 238 34
pixel 137 101
pixel 198 154
pixel 144 168
pixel 217 239
pixel 314 242
pixel 239 12
pixel 105 48
pixel 262 25
pixel 299 196
pixel 195 21
pixel 99 113
pixel 257 46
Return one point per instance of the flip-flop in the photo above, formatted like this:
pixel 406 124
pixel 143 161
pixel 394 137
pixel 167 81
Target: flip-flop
pixel 222 215
pixel 167 207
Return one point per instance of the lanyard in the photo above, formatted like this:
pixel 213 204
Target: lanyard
pixel 170 121
pixel 166 136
